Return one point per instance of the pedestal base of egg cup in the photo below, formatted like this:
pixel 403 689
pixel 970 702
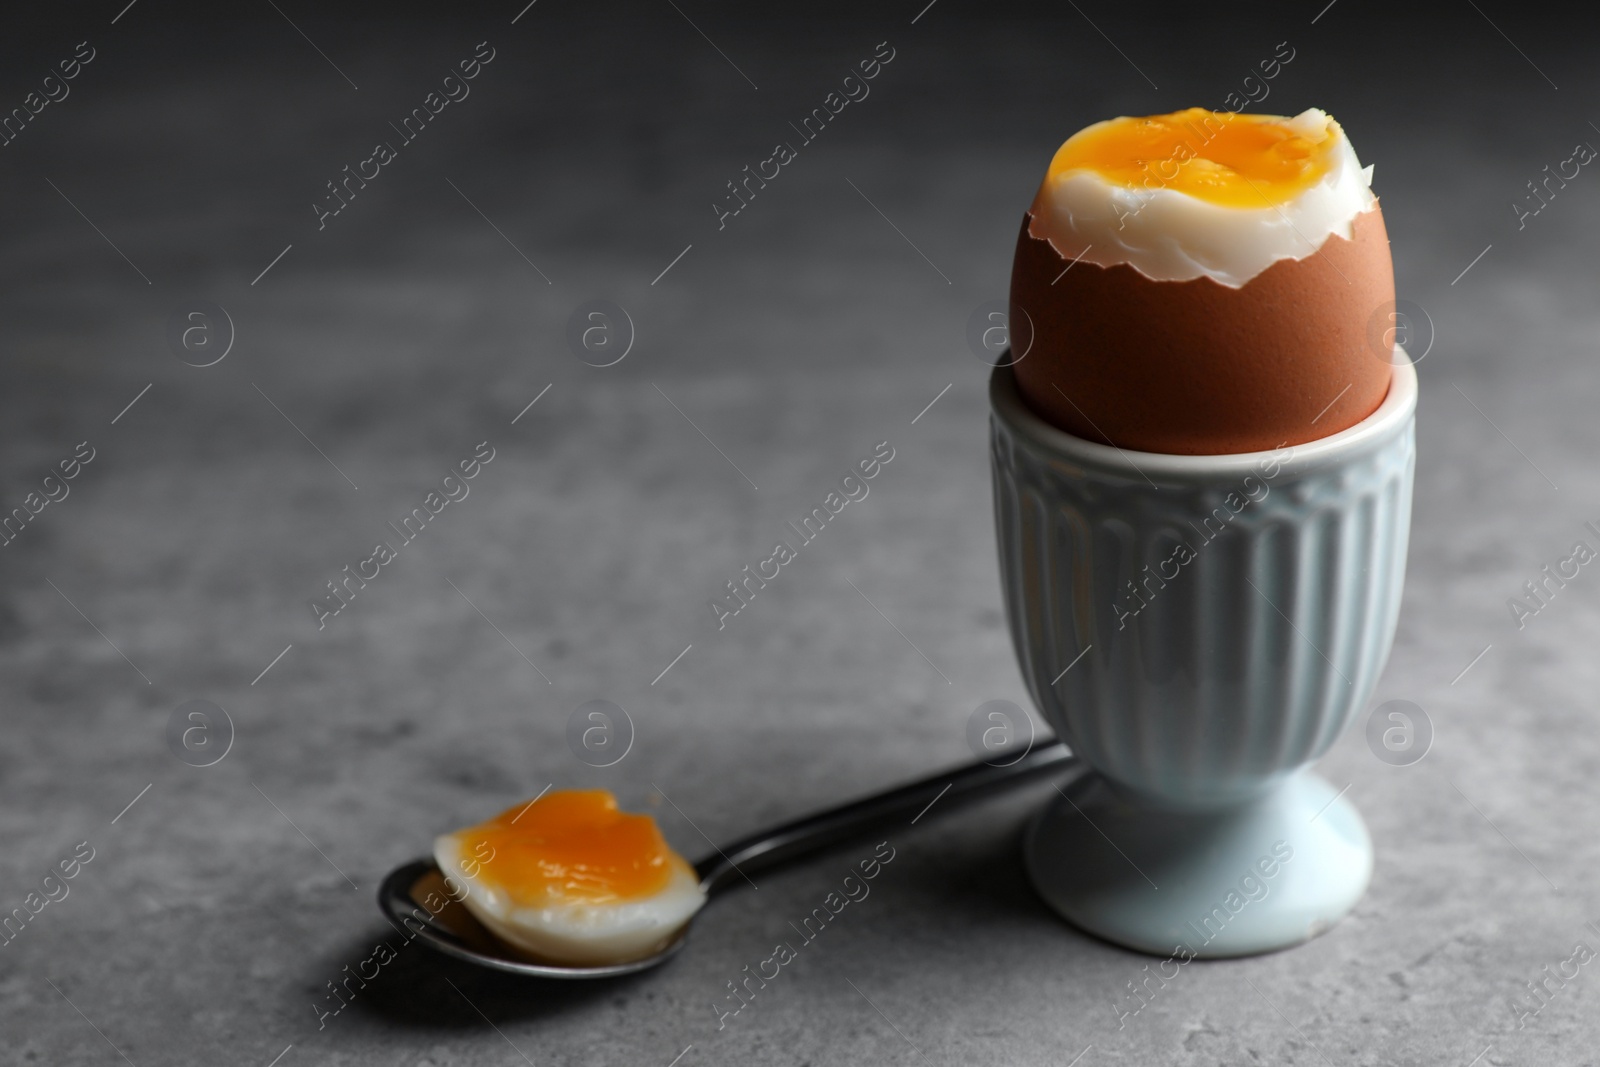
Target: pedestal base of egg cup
pixel 1232 881
pixel 1198 683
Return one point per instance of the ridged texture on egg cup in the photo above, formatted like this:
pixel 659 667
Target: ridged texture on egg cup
pixel 1207 688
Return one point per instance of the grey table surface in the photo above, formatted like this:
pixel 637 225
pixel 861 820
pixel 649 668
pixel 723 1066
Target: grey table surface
pixel 777 350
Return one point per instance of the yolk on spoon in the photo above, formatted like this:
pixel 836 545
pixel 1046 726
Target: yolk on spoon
pixel 572 846
pixel 1221 157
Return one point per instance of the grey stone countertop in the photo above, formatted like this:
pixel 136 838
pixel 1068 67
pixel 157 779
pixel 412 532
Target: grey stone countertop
pixel 771 348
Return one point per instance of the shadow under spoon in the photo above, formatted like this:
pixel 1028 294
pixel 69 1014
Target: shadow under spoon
pixel 452 929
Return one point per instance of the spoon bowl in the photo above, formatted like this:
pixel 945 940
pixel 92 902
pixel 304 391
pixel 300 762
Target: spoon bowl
pixel 453 930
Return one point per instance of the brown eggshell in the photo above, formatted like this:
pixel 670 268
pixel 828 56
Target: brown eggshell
pixel 1201 368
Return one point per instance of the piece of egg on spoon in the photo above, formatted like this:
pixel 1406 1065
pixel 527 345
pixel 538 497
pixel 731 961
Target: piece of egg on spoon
pixel 1203 283
pixel 570 879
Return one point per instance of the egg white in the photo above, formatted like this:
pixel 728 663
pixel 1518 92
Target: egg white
pixel 576 933
pixel 1169 235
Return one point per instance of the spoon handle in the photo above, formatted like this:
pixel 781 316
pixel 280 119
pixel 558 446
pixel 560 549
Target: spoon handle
pixel 770 848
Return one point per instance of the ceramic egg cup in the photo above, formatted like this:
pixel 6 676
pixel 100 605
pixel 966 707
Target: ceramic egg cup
pixel 1210 676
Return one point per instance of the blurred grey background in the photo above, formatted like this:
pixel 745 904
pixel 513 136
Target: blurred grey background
pixel 370 356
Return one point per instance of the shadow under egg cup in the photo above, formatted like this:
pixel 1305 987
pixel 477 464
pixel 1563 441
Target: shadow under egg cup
pixel 1199 629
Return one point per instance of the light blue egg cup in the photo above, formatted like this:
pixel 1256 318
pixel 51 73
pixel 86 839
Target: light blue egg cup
pixel 1199 629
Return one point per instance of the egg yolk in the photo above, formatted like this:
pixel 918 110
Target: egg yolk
pixel 1220 157
pixel 572 846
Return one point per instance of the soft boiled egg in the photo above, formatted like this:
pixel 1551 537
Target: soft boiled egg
pixel 570 879
pixel 1204 282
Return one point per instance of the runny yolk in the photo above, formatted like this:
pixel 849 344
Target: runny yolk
pixel 571 846
pixel 1221 157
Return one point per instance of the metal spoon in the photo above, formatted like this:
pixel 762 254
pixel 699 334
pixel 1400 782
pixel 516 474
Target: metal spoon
pixel 454 931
